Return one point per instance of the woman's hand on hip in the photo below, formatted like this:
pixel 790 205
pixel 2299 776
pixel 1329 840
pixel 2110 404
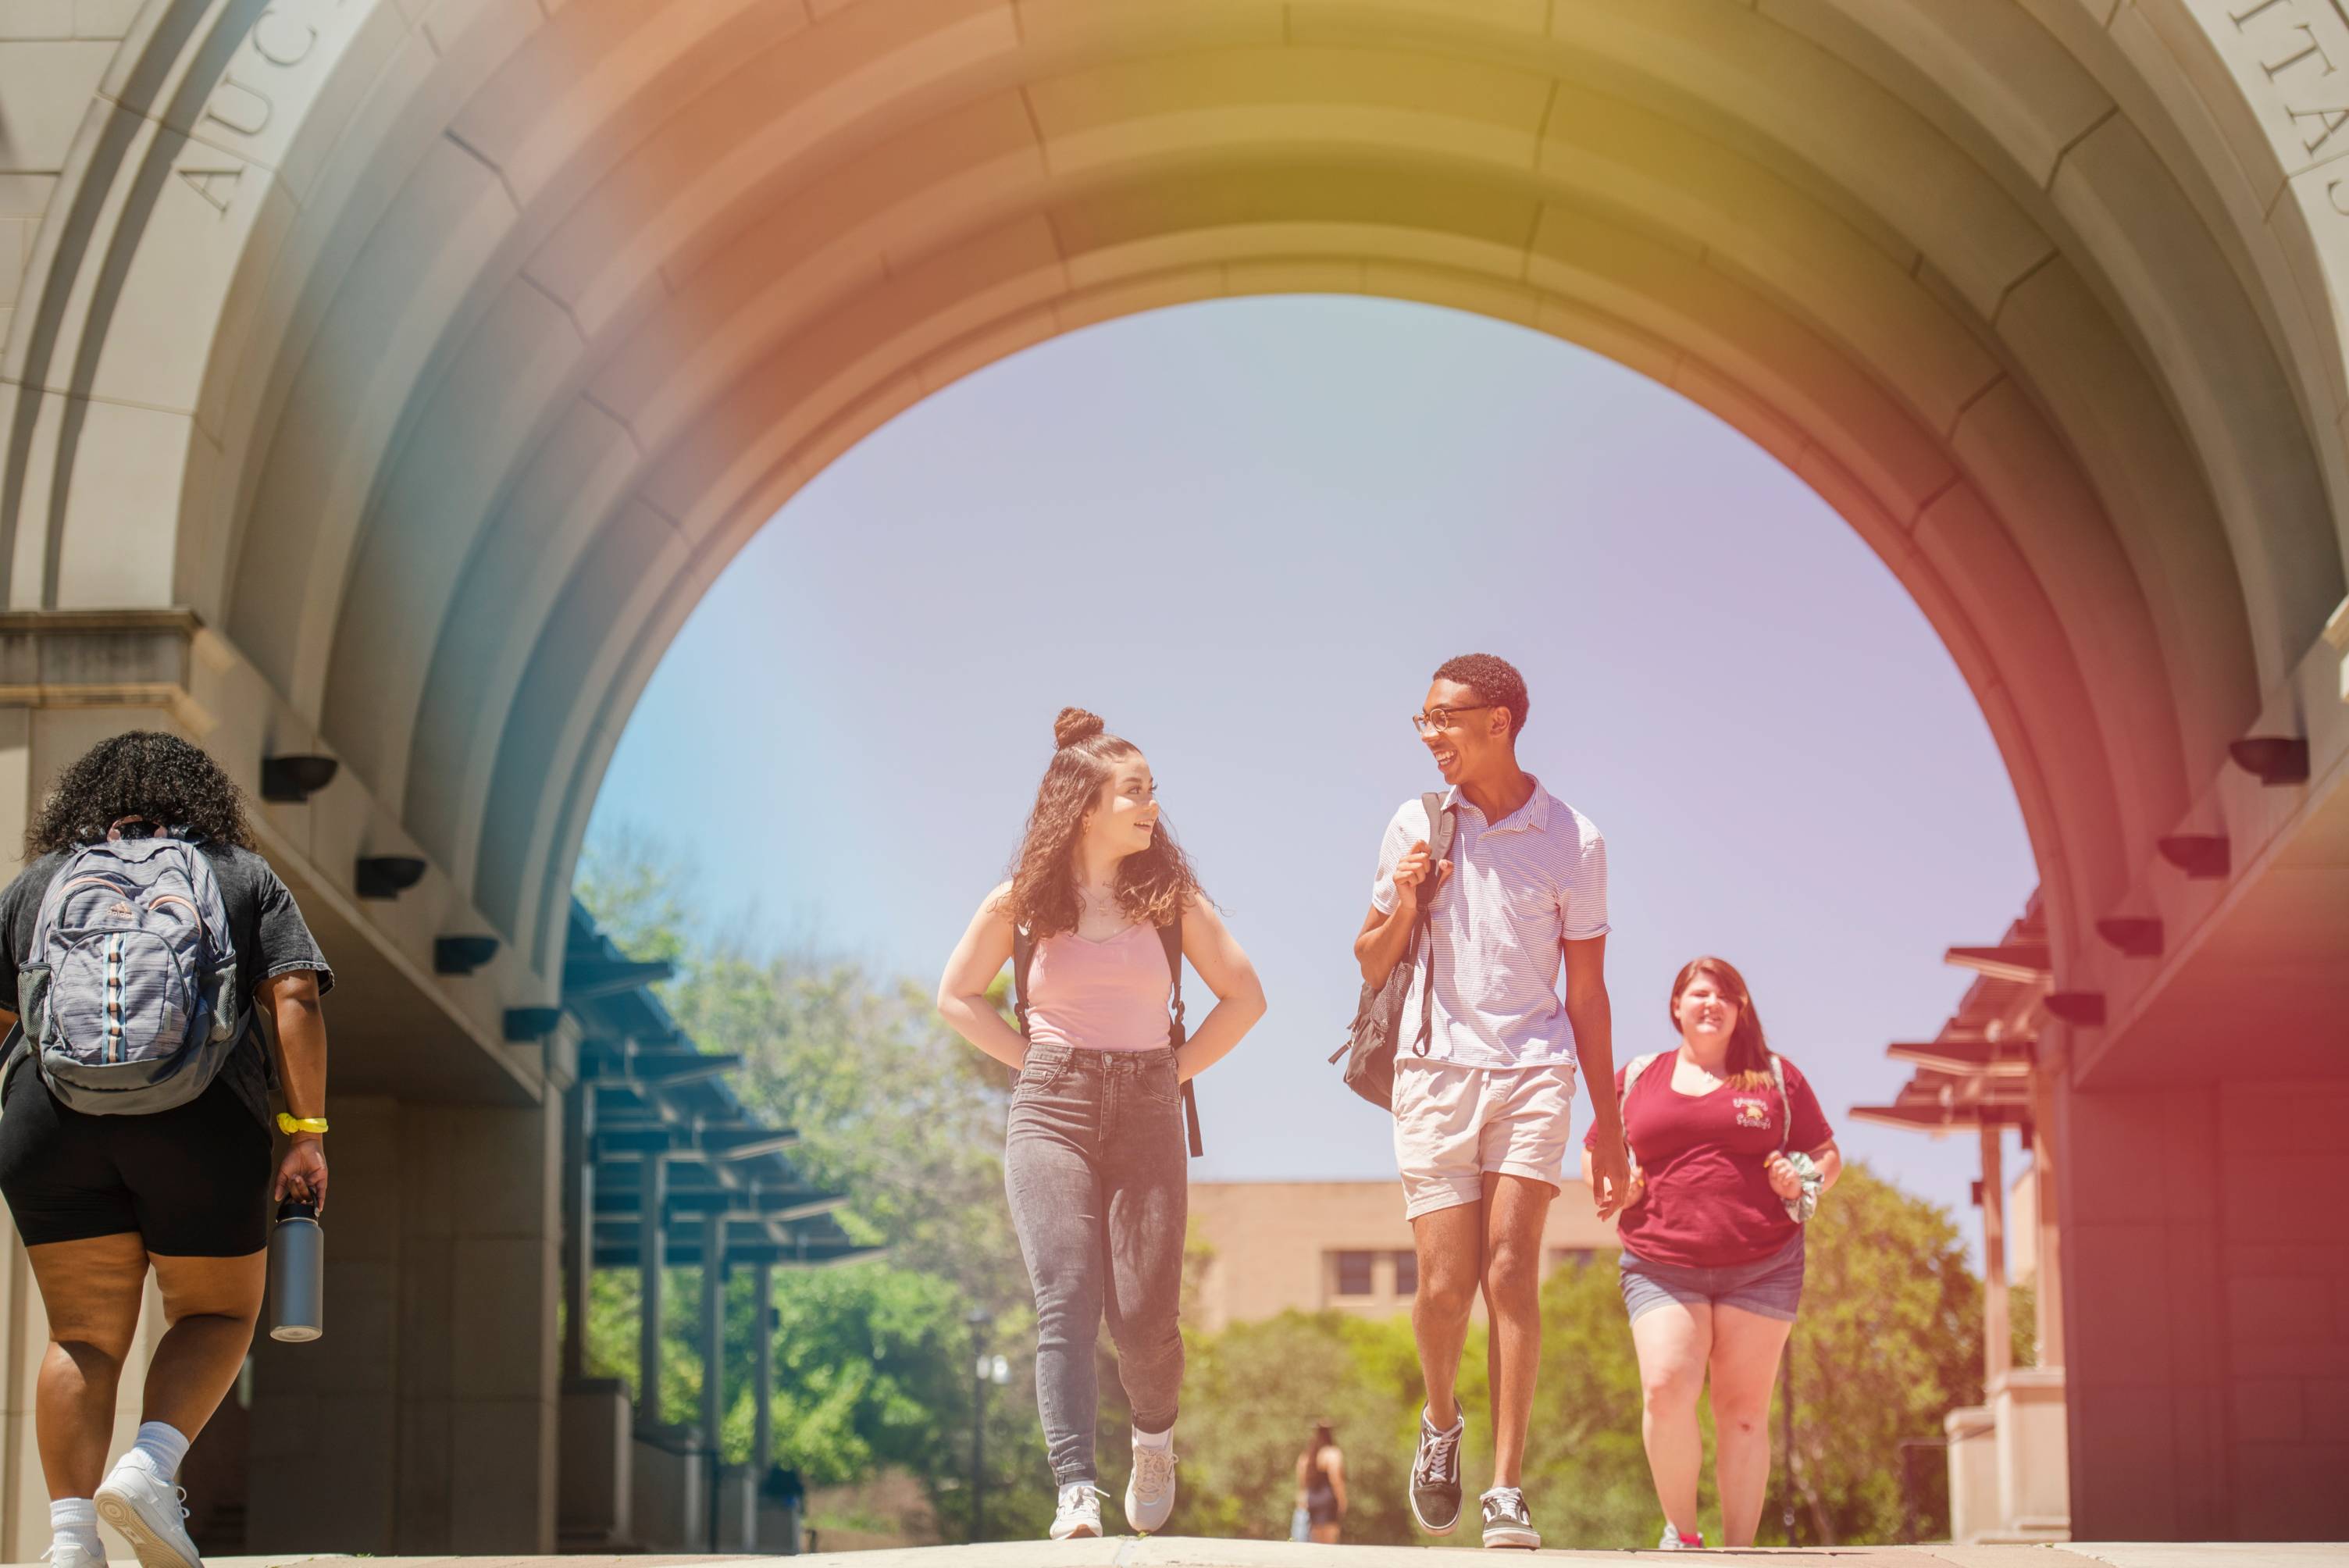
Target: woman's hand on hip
pixel 302 1173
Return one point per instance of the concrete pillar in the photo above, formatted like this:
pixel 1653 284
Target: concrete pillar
pixel 2047 1229
pixel 578 1224
pixel 479 1389
pixel 327 1412
pixel 1997 1333
pixel 2202 1224
pixel 651 1258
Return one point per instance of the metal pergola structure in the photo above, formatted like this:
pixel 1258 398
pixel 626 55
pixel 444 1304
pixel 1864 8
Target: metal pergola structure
pixel 1980 1072
pixel 665 1167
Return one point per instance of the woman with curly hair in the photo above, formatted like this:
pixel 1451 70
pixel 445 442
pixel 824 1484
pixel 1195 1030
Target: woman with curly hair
pixel 101 1193
pixel 1093 1151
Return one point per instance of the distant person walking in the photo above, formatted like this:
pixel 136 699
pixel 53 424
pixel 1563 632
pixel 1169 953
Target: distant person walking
pixel 1731 1152
pixel 143 942
pixel 1484 1096
pixel 1322 1485
pixel 1093 1153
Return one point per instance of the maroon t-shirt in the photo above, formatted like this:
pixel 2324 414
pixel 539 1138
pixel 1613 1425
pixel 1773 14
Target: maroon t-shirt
pixel 1708 1203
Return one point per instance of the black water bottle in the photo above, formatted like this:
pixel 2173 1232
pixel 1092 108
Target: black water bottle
pixel 297 1272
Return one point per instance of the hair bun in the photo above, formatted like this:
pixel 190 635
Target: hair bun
pixel 1075 725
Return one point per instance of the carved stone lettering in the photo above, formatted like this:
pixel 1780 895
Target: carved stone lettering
pixel 281 40
pixel 2335 195
pixel 2332 119
pixel 2313 51
pixel 2241 18
pixel 238 107
pixel 216 186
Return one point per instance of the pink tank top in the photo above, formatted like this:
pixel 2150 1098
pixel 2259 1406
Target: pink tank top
pixel 1100 995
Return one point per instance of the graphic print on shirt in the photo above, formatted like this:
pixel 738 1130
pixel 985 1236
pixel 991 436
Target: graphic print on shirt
pixel 1752 1110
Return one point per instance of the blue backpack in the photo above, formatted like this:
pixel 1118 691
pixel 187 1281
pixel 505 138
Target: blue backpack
pixel 129 996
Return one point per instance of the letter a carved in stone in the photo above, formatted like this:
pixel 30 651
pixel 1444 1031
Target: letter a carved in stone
pixel 217 186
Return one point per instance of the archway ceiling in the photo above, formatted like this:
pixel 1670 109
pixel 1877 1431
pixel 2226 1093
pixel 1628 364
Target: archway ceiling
pixel 635 283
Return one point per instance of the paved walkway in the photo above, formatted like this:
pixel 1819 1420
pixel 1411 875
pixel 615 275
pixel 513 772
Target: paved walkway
pixel 1174 1551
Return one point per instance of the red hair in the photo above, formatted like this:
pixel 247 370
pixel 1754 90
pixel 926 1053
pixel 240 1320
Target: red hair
pixel 1748 1066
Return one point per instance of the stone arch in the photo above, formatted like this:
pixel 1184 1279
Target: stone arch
pixel 432 356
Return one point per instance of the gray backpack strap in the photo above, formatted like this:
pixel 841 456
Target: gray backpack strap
pixel 1785 1104
pixel 1439 821
pixel 1631 1071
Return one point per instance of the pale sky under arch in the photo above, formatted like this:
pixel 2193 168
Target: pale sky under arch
pixel 1245 533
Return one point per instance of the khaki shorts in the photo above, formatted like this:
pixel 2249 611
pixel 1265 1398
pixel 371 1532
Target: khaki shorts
pixel 1452 1124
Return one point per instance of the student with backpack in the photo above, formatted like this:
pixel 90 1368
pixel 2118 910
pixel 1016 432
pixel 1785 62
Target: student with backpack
pixel 1482 1065
pixel 1100 910
pixel 140 945
pixel 1731 1153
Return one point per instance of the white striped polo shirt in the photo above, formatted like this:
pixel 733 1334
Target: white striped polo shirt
pixel 1518 887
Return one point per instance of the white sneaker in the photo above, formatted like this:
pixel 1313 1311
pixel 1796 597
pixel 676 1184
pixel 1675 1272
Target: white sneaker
pixel 146 1513
pixel 1506 1522
pixel 1079 1515
pixel 1674 1541
pixel 71 1554
pixel 1150 1489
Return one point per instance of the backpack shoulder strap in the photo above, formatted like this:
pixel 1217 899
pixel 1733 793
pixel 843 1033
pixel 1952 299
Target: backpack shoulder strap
pixel 1170 937
pixel 1785 1104
pixel 1024 953
pixel 1631 1071
pixel 1439 821
pixel 1439 844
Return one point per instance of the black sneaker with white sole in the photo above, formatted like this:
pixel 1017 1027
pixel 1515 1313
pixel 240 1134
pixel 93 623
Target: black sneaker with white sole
pixel 1507 1522
pixel 1435 1475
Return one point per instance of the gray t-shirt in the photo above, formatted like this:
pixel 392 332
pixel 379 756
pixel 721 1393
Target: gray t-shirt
pixel 263 921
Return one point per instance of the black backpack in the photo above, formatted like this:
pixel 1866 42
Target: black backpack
pixel 1170 937
pixel 1378 1016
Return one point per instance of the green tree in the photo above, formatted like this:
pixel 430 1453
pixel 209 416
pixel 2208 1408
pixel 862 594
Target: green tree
pixel 874 1361
pixel 1890 1341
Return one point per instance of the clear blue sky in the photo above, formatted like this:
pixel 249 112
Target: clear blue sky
pixel 1245 533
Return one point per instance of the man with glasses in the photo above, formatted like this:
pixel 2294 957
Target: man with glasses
pixel 1483 1103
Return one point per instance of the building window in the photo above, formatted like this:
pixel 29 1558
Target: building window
pixel 1406 1267
pixel 1577 1257
pixel 1354 1272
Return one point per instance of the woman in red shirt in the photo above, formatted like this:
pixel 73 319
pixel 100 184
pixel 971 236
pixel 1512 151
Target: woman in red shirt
pixel 1711 1258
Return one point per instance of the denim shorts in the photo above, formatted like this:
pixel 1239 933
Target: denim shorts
pixel 1772 1287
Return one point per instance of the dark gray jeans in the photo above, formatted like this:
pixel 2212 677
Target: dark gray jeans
pixel 1094 1159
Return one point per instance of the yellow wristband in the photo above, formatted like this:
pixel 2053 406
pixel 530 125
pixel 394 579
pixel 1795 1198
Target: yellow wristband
pixel 290 1125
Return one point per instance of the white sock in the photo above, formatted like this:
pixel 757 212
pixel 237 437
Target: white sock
pixel 160 1447
pixel 1143 1440
pixel 73 1521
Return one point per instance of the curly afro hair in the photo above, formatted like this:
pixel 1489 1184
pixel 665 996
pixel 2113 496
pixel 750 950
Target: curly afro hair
pixel 1494 680
pixel 145 773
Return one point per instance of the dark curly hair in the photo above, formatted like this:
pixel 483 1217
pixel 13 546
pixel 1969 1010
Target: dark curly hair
pixel 1152 886
pixel 1494 680
pixel 145 773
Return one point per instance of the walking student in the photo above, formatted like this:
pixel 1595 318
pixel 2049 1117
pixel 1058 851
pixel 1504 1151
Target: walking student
pixel 1094 1158
pixel 1321 1484
pixel 1731 1153
pixel 144 942
pixel 1483 1100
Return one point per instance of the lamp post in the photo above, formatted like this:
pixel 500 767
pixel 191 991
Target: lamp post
pixel 984 1369
pixel 977 1318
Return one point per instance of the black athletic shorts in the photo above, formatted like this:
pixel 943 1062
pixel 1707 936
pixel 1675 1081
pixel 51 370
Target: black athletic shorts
pixel 192 1182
